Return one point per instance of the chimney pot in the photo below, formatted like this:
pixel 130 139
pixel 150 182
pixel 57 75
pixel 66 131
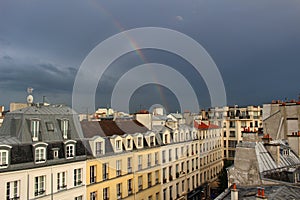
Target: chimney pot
pixel 262 192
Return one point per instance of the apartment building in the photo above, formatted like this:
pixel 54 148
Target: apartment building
pixel 235 120
pixel 41 156
pixel 124 162
pixel 281 119
pixel 129 161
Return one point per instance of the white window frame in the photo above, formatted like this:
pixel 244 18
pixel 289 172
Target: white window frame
pixel 4 154
pixel 118 168
pixel 40 185
pixel 119 190
pixel 140 141
pixel 99 148
pixel 40 155
pixel 64 128
pixel 105 193
pixel 118 145
pixel 35 129
pixel 61 181
pixel 77 176
pixel 70 151
pixel 13 190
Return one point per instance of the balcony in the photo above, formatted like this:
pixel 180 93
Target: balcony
pixel 119 195
pixel 77 183
pixel 129 191
pixel 156 162
pixel 61 187
pixel 93 179
pixel 41 192
pixel 164 180
pixel 170 178
pixel 140 187
pixel 105 176
pixel 14 198
pixel 149 184
pixel 129 169
pixel 177 174
pixel 156 181
pixel 118 172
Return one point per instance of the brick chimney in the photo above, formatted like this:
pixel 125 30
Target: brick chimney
pixel 234 192
pixel 261 194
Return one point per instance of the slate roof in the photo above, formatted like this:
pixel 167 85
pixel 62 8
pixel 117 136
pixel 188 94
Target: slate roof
pixel 110 128
pixel 281 192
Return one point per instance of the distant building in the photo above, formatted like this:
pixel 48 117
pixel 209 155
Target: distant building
pixel 16 106
pixel 281 119
pixel 235 120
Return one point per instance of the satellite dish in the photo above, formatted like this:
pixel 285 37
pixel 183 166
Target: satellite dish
pixel 30 99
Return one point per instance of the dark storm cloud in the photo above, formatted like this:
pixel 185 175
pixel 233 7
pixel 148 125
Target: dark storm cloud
pixel 18 75
pixel 255 43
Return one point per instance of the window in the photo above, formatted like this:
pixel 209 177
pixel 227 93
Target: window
pixel 35 129
pixel 118 145
pixel 150 197
pixel 55 153
pixel 176 153
pixel 128 143
pixel 149 160
pixel 170 155
pixel 149 176
pixel 99 148
pixel 93 174
pixel 61 181
pixel 129 185
pixel 39 186
pixel 165 194
pixel 118 166
pixel 119 191
pixel 232 134
pixel 105 194
pixel 93 195
pixel 13 190
pixel 170 173
pixel 40 154
pixel 171 193
pixel 50 126
pixel 163 156
pixel 157 196
pixel 152 141
pixel 105 171
pixel 164 175
pixel 77 177
pixel 140 160
pixel 140 182
pixel 129 164
pixel 3 158
pixel 256 123
pixel 156 177
pixel 156 158
pixel 139 141
pixel 182 186
pixel 79 198
pixel 65 128
pixel 70 151
pixel 165 138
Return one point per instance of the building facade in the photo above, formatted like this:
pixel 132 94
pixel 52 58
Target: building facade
pixel 41 155
pixel 234 120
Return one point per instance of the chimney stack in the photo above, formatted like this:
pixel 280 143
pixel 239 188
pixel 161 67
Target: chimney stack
pixel 234 192
pixel 261 194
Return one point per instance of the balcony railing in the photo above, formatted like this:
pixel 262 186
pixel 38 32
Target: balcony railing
pixel 129 169
pixel 41 192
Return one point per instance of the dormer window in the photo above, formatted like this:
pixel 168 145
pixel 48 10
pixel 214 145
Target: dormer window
pixel 128 143
pixel 50 126
pixel 166 138
pixel 99 148
pixel 139 139
pixel 70 151
pixel 35 129
pixel 118 145
pixel 55 153
pixel 152 141
pixel 3 158
pixel 65 128
pixel 40 154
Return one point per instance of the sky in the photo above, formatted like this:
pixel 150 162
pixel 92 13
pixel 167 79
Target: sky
pixel 255 45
